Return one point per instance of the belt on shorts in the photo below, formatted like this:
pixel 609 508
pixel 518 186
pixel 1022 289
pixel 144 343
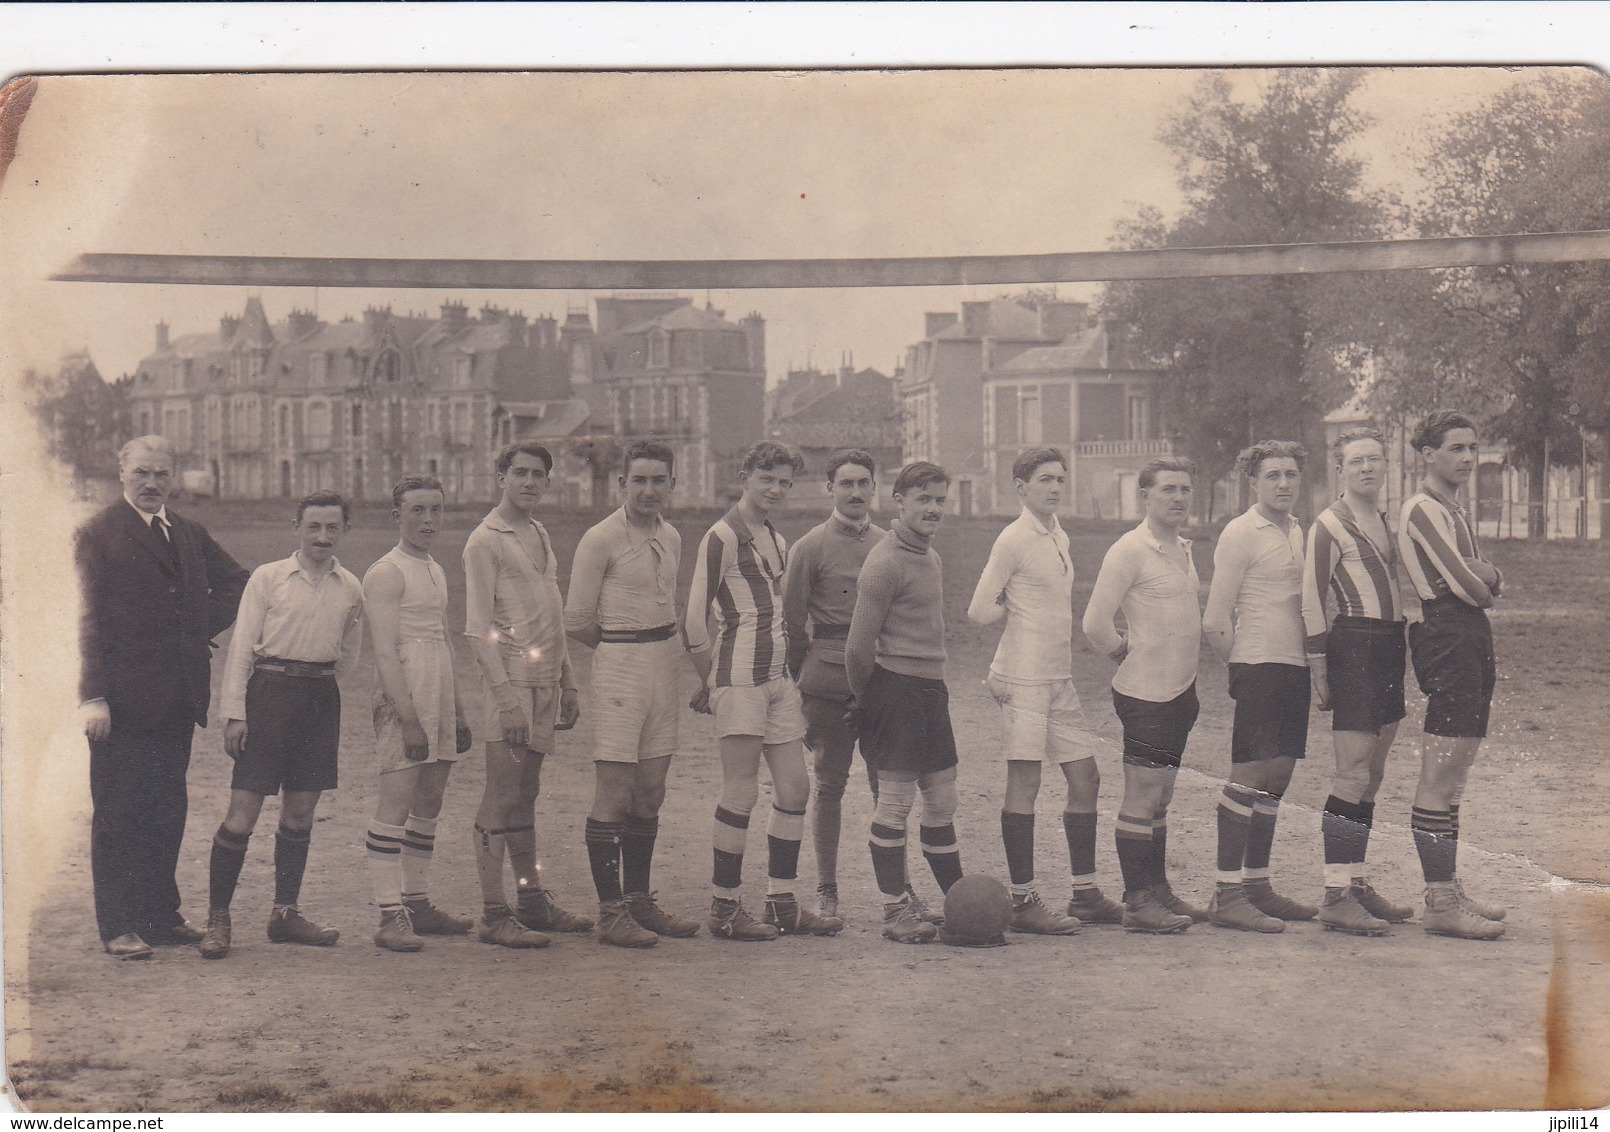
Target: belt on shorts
pixel 307 669
pixel 830 633
pixel 637 636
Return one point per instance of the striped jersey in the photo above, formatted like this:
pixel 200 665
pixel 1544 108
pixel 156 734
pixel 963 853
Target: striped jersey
pixel 1345 564
pixel 1435 538
pixel 738 574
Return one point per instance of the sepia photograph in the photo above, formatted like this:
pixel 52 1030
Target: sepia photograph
pixel 922 589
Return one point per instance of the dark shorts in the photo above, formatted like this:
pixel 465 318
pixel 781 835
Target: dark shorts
pixel 293 730
pixel 1271 711
pixel 905 723
pixel 1453 662
pixel 1364 659
pixel 1155 733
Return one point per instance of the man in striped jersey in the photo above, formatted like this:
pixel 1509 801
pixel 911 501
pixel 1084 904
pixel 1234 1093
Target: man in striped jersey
pixel 1150 575
pixel 1254 620
pixel 1357 664
pixel 739 576
pixel 622 602
pixel 1452 646
pixel 514 619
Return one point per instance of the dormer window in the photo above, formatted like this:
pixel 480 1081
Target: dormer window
pixel 659 349
pixel 388 366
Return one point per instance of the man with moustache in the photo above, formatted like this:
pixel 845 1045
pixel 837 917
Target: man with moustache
pixel 622 603
pixel 514 619
pixel 1254 620
pixel 299 628
pixel 156 590
pixel 1150 575
pixel 894 660
pixel 1452 647
pixel 1028 582
pixel 818 599
pixel 419 718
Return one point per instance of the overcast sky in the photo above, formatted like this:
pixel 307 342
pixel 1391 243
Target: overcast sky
pixel 605 166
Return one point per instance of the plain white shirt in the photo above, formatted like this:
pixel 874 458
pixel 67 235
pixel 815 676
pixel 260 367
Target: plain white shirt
pixel 1159 601
pixel 1029 581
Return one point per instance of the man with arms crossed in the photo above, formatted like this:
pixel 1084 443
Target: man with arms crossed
pixel 739 575
pixel 1452 649
pixel 894 660
pixel 156 590
pixel 622 602
pixel 1150 575
pixel 419 718
pixel 1357 666
pixel 514 619
pixel 818 599
pixel 1029 581
pixel 1254 620
pixel 299 628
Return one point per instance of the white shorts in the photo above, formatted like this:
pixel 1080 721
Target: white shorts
pixel 772 711
pixel 540 704
pixel 428 668
pixel 1042 721
pixel 637 700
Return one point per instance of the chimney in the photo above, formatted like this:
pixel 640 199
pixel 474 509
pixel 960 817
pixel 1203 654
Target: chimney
pixel 935 321
pixel 228 325
pixel 374 319
pixel 975 318
pixel 162 336
pixel 1058 318
pixel 517 330
pixel 455 316
pixel 754 328
pixel 576 341
pixel 301 323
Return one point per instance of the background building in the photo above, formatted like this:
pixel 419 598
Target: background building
pixel 818 412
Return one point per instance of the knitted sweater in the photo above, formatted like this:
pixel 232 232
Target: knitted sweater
pixel 899 619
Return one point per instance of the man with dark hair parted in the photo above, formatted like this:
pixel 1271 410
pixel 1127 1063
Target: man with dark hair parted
pixel 894 660
pixel 1149 575
pixel 1356 661
pixel 622 603
pixel 1254 620
pixel 1452 649
pixel 738 577
pixel 299 628
pixel 818 599
pixel 514 619
pixel 420 730
pixel 1028 582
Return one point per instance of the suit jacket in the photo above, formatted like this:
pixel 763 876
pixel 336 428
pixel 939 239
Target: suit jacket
pixel 150 611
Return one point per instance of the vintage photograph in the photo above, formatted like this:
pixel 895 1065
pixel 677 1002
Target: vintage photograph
pixel 1039 589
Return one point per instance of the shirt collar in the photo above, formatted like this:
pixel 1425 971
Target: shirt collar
pixel 296 566
pixel 743 530
pixel 849 525
pixel 1153 542
pixel 909 539
pixel 1447 501
pixel 634 533
pixel 1034 523
pixel 146 516
pixel 498 523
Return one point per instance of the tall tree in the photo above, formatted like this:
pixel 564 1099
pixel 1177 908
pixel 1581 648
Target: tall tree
pixel 84 418
pixel 1255 357
pixel 1526 345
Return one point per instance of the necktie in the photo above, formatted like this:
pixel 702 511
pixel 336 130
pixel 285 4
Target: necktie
pixel 161 526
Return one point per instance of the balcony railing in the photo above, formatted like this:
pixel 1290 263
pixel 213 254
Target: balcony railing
pixel 1123 448
pixel 641 427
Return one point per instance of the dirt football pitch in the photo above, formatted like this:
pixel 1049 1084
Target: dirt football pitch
pixel 1105 1020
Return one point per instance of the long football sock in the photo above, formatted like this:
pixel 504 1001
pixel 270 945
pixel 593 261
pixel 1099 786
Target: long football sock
pixel 290 864
pixel 604 854
pixel 1235 825
pixel 731 831
pixel 784 833
pixel 1080 830
pixel 1160 848
pixel 383 852
pixel 637 851
pixel 223 874
pixel 1133 835
pixel 491 847
pixel 520 842
pixel 1017 831
pixel 418 846
pixel 1345 839
pixel 888 847
pixel 944 855
pixel 1434 842
pixel 1261 834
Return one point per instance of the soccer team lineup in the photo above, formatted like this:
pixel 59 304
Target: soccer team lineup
pixel 803 654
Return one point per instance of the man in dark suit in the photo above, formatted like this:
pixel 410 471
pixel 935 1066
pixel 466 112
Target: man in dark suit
pixel 156 590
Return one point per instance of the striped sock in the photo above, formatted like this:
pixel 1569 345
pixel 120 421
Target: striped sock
pixel 1434 842
pixel 418 845
pixel 290 864
pixel 1261 834
pixel 1235 823
pixel 888 847
pixel 228 858
pixel 604 854
pixel 731 831
pixel 383 851
pixel 784 833
pixel 637 851
pixel 1134 838
pixel 944 855
pixel 1345 839
pixel 1017 831
pixel 1080 831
